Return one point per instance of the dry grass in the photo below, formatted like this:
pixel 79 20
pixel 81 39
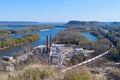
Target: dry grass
pixel 97 77
pixel 116 73
pixel 3 76
pixel 32 72
pixel 77 75
pixel 83 74
pixel 39 72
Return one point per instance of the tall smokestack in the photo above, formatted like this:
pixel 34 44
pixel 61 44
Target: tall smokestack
pixel 50 40
pixel 47 44
pixel 47 41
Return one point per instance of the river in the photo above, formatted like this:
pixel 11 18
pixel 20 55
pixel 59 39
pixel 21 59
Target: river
pixel 43 34
pixel 42 40
pixel 90 36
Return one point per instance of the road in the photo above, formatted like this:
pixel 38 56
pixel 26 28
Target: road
pixel 89 60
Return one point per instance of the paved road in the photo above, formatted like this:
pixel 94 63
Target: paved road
pixel 89 60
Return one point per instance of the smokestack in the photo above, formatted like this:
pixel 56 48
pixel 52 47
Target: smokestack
pixel 47 41
pixel 50 40
pixel 47 44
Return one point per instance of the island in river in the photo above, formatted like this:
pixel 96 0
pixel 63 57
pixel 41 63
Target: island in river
pixel 43 33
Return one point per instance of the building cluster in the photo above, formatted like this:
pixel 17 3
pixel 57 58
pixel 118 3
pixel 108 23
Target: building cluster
pixel 50 52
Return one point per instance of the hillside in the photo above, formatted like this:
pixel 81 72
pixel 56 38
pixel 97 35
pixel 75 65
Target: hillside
pixel 40 72
pixel 83 23
pixel 92 23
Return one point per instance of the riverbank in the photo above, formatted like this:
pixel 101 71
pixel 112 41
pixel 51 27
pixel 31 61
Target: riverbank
pixel 18 41
pixel 9 32
pixel 40 41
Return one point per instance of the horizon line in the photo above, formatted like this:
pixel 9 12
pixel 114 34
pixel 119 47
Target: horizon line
pixel 53 21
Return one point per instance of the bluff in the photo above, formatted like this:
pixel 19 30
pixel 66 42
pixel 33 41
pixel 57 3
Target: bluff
pixel 83 23
pixel 91 23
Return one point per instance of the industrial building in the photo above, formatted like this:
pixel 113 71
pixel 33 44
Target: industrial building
pixel 50 52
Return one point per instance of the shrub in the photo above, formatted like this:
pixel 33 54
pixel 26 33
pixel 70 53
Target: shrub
pixel 32 73
pixel 77 59
pixel 44 74
pixel 77 75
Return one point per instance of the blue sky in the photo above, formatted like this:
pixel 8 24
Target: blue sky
pixel 59 10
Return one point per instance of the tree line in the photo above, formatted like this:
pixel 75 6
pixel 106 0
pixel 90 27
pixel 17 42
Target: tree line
pixel 29 29
pixel 113 34
pixel 70 36
pixel 18 41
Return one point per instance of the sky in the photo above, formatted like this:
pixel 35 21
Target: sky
pixel 59 10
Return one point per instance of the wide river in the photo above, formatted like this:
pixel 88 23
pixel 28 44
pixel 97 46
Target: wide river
pixel 41 41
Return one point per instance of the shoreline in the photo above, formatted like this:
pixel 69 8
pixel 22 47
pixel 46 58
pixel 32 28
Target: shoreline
pixel 9 51
pixel 17 45
pixel 45 29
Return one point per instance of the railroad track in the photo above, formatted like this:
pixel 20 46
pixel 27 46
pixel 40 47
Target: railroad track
pixel 89 60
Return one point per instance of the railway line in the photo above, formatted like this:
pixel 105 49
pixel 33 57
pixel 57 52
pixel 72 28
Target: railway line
pixel 89 60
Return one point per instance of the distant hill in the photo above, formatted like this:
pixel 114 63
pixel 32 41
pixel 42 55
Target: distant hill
pixel 17 23
pixel 92 23
pixel 115 24
pixel 83 23
pixel 28 23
